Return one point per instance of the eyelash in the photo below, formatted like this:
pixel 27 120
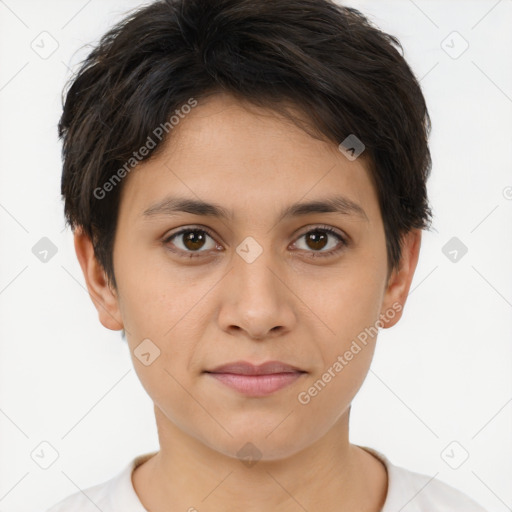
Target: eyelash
pixel 314 254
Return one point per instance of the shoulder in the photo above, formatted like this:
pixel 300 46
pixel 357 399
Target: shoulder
pixel 414 492
pixel 417 492
pixel 110 496
pixel 90 499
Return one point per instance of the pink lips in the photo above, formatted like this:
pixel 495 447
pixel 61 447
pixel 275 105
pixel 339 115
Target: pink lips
pixel 258 380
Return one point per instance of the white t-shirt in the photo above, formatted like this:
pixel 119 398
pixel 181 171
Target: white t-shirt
pixel 407 492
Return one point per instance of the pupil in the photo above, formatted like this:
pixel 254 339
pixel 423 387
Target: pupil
pixel 194 240
pixel 318 239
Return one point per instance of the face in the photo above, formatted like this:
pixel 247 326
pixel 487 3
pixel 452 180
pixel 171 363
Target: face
pixel 258 277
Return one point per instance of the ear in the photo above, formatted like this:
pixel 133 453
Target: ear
pixel 399 282
pixel 103 296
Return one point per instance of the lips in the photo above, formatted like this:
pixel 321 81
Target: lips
pixel 256 380
pixel 245 368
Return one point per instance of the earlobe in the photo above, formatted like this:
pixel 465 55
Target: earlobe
pixel 399 283
pixel 102 295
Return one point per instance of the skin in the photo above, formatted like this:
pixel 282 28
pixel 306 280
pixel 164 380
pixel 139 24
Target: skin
pixel 217 308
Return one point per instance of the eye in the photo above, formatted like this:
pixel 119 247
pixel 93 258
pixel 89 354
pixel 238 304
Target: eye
pixel 190 241
pixel 322 241
pixel 317 240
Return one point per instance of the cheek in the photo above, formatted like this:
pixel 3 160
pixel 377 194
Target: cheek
pixel 151 299
pixel 342 311
pixel 344 303
pixel 163 310
pixel 350 309
pixel 328 395
pixel 169 391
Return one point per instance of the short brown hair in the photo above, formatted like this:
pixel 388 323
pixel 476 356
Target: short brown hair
pixel 345 75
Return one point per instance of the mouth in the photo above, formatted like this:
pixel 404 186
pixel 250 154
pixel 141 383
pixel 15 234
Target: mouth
pixel 256 380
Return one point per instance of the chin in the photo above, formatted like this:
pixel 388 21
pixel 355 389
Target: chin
pixel 254 444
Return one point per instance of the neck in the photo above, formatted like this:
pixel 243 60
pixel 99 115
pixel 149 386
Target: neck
pixel 330 474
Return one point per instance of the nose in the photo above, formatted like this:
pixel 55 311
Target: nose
pixel 257 300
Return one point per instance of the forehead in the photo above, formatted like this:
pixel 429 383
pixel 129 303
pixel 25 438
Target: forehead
pixel 236 154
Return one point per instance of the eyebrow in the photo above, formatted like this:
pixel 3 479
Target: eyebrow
pixel 174 205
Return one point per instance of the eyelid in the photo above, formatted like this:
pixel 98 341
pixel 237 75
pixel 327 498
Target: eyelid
pixel 324 227
pixel 344 240
pixel 184 229
pixel 189 254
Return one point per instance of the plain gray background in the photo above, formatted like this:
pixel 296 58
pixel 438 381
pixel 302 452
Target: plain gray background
pixel 439 389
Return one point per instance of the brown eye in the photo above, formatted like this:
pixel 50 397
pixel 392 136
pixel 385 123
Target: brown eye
pixel 324 241
pixel 316 240
pixel 191 241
